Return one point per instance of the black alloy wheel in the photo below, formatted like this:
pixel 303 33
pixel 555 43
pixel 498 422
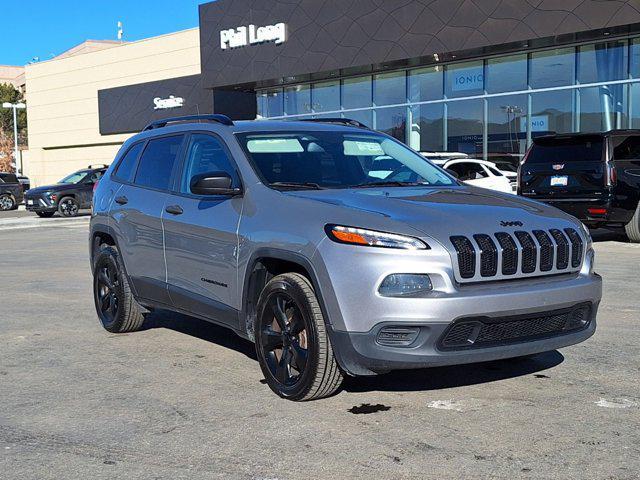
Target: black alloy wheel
pixel 284 339
pixel 106 292
pixel 117 309
pixel 292 344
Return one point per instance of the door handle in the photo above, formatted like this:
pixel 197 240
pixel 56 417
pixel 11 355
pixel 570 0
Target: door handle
pixel 174 209
pixel 121 200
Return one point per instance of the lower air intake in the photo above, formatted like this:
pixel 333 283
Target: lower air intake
pixel 491 332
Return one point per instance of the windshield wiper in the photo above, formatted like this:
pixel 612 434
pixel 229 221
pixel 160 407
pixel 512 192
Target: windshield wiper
pixel 297 185
pixel 388 183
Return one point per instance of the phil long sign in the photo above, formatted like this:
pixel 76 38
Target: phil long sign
pixel 252 35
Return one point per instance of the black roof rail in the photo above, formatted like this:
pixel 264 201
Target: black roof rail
pixel 218 118
pixel 340 121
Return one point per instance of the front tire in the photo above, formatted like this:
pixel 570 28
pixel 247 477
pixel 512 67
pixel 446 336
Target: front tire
pixel 7 202
pixel 292 345
pixel 116 307
pixel 633 227
pixel 68 207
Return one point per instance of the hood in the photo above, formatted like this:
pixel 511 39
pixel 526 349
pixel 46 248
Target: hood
pixel 50 188
pixel 442 212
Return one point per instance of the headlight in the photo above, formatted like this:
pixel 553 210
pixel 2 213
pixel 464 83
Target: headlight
pixel 372 238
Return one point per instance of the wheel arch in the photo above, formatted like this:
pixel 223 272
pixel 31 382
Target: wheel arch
pixel 264 264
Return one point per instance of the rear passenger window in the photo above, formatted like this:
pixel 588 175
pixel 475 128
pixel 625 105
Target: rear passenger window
pixel 157 161
pixel 128 163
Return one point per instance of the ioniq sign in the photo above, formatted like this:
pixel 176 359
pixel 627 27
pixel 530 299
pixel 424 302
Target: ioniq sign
pixel 252 35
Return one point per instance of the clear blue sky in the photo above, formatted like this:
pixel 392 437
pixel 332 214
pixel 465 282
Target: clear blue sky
pixel 40 28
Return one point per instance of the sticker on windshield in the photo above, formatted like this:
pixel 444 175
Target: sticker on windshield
pixel 359 147
pixel 275 145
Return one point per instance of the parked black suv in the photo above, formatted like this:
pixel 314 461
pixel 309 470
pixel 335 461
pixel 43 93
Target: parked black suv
pixel 595 177
pixel 10 191
pixel 68 196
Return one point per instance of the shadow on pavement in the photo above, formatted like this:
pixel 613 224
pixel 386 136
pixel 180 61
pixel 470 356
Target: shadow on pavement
pixel 402 380
pixel 438 378
pixel 201 329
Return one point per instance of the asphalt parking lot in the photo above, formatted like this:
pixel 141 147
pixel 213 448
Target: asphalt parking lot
pixel 185 399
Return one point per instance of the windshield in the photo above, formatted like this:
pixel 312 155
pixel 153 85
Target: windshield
pixel 334 159
pixel 74 177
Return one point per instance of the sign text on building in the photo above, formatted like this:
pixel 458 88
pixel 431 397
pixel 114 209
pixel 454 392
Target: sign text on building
pixel 164 103
pixel 252 35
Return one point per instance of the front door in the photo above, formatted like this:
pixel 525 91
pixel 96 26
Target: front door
pixel 201 237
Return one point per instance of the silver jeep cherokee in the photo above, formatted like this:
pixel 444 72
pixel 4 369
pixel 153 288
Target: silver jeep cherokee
pixel 336 249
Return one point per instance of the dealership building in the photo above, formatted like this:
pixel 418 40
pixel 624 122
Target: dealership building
pixel 481 77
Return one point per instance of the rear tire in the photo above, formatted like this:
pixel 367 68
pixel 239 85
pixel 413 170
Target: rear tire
pixel 292 345
pixel 633 227
pixel 45 214
pixel 116 307
pixel 7 202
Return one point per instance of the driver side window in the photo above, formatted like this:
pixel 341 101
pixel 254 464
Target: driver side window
pixel 468 171
pixel 206 155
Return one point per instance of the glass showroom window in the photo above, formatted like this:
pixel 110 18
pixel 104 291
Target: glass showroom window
pixel 602 108
pixel 325 96
pixel 634 105
pixel 363 116
pixel 634 60
pixel 602 62
pixel 390 88
pixel 552 68
pixel 426 84
pixel 551 112
pixel 427 128
pixel 507 124
pixel 464 79
pixel 465 129
pixel 392 121
pixel 356 92
pixel 297 100
pixel 270 103
pixel 507 74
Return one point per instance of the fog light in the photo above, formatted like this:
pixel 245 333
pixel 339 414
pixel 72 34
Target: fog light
pixel 579 318
pixel 405 285
pixel 397 336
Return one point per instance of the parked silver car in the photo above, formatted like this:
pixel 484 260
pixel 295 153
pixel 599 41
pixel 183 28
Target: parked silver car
pixel 288 234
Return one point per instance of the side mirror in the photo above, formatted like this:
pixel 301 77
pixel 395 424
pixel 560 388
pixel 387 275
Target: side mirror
pixel 213 183
pixel 452 173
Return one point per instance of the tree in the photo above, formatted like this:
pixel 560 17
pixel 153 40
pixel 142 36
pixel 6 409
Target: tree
pixel 9 93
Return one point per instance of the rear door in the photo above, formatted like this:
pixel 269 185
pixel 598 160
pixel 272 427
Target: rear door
pixel 137 211
pixel 565 167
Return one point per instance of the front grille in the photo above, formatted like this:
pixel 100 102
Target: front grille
pixel 576 247
pixel 488 255
pixel 540 252
pixel 546 250
pixel 490 332
pixel 563 249
pixel 466 256
pixel 529 252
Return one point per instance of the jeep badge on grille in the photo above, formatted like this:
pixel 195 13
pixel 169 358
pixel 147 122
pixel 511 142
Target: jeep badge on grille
pixel 505 223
